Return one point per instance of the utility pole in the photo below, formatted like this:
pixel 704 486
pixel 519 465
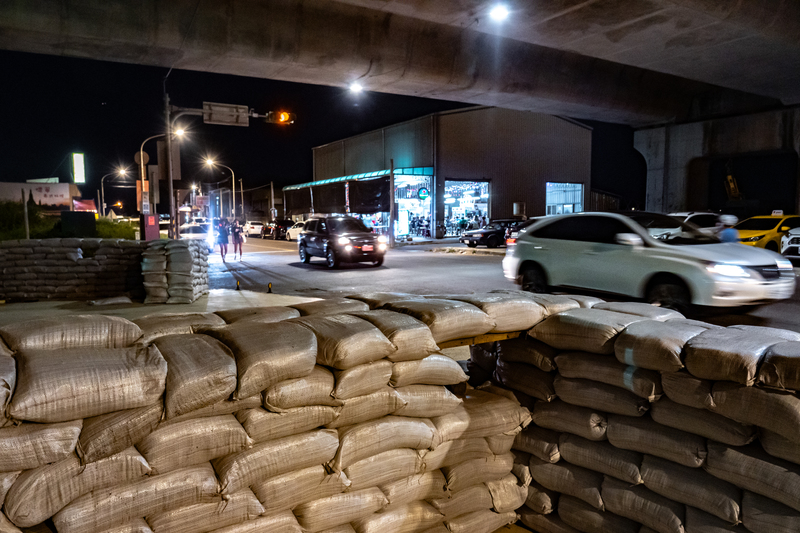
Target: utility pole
pixel 241 193
pixel 272 211
pixel 25 214
pixel 173 233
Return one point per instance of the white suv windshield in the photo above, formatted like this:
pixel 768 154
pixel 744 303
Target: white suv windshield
pixel 685 234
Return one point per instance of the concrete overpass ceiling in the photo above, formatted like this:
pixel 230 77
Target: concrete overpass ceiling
pixel 634 62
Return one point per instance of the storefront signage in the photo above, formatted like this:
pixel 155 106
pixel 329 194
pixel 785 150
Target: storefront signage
pixel 423 194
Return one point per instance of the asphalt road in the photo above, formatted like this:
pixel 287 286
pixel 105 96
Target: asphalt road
pixel 415 270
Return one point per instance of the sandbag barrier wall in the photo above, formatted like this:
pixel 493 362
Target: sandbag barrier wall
pixel 645 421
pixel 327 416
pixel 175 272
pixel 70 269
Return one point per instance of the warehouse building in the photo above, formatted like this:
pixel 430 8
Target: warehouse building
pixel 479 162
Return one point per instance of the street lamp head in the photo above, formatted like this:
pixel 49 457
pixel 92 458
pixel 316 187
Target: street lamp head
pixel 123 171
pixel 194 187
pixel 210 162
pixel 499 13
pixel 179 132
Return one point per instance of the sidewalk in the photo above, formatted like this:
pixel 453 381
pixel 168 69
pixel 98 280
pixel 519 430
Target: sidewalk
pixel 216 300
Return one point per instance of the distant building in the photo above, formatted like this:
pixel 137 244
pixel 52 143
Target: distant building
pixel 474 162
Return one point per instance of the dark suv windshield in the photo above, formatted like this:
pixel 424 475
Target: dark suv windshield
pixel 670 231
pixel 346 225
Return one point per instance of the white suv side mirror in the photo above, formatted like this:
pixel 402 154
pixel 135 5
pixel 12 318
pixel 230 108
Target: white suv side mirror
pixel 629 239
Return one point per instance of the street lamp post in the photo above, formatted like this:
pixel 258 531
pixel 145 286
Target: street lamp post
pixel 119 172
pixel 211 163
pixel 142 173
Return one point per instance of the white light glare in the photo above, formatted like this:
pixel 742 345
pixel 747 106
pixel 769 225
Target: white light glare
pixel 732 271
pixel 344 240
pixel 356 87
pixel 499 13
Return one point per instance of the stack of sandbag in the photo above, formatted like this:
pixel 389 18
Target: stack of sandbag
pixel 154 272
pixel 36 269
pixel 118 264
pixel 186 270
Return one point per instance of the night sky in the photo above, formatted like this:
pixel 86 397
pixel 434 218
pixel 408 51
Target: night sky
pixel 54 106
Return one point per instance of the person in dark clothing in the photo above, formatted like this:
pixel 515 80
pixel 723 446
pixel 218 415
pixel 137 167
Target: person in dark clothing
pixel 237 238
pixel 222 238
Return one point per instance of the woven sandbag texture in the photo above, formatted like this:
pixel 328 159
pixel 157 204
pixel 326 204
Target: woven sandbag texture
pixel 266 355
pixel 525 378
pixel 464 501
pixel 362 379
pixel 655 345
pixel 447 319
pixel 643 383
pixel 529 351
pixel 345 341
pixel 509 312
pixel 476 471
pixel 314 389
pixel 105 435
pixel 426 401
pixel 412 337
pixel 455 452
pixel 508 493
pixel 262 425
pixel 41 492
pixel 412 517
pixel 552 303
pixel 368 407
pixel 282 522
pixel 426 486
pixel 540 442
pixel 332 511
pixel 160 324
pixel 652 312
pixel 540 499
pixel 569 479
pixel 7 479
pixel 685 389
pixel 561 416
pixel 778 446
pixel 383 468
pixel 762 515
pixel 8 381
pixel 261 315
pixel 225 407
pixel 32 445
pixel 201 372
pixel 370 438
pixel 480 522
pixel 544 523
pixel 610 399
pixel 587 330
pixel 104 509
pixel 644 506
pixel 601 457
pixel 780 367
pixel 481 415
pixel 84 382
pixel 702 422
pixel 205 517
pixel 731 354
pixel 774 410
pixel 287 491
pixel 502 443
pixel 584 517
pixel 432 370
pixel 73 331
pixel 376 300
pixel 331 306
pixel 643 435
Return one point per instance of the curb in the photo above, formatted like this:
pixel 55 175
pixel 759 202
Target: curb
pixel 468 251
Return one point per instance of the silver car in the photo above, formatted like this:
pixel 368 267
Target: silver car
pixel 615 253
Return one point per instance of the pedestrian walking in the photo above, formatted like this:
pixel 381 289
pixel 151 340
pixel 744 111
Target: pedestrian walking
pixel 222 238
pixel 728 233
pixel 237 238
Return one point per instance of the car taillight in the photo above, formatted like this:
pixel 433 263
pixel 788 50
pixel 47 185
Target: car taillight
pixel 511 241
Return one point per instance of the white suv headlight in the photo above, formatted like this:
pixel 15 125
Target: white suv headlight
pixel 731 271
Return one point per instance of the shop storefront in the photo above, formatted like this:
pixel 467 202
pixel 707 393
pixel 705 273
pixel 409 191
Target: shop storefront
pixel 466 205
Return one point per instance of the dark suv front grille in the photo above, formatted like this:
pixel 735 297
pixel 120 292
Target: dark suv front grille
pixel 767 272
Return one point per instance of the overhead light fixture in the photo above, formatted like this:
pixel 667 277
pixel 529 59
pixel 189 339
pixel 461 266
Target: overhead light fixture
pixel 499 13
pixel 356 87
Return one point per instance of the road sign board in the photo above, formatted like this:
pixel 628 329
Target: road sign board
pixel 226 114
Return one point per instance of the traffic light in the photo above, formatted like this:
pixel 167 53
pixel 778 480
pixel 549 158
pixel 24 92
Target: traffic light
pixel 280 117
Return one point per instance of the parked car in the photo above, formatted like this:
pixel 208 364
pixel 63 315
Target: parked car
pixel 766 231
pixel 294 232
pixel 276 229
pixel 707 222
pixel 492 234
pixel 199 231
pixel 615 253
pixel 253 227
pixel 340 239
pixel 512 232
pixel 790 243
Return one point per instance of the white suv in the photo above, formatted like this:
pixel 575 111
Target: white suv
pixel 615 253
pixel 790 243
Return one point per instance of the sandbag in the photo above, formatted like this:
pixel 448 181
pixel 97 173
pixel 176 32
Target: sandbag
pixel 362 379
pixel 7 479
pixel 287 491
pixel 692 487
pixel 331 306
pixel 729 354
pixel 239 470
pixel 564 417
pixel 482 414
pixel 262 425
pixel 774 410
pixel 345 341
pixel 588 393
pixel 601 457
pixel 282 522
pixel 552 303
pixel 105 435
pixel 750 468
pixel 432 370
pixel 508 312
pixel 702 422
pixel 476 471
pixel 137 525
pixel 193 442
pixel 464 501
pixel 685 389
pixel 201 372
pixel 370 407
pixel 258 315
pixel 762 515
pixel 569 479
pixel 778 446
pixel 525 378
pixel 345 528
pixel 383 468
pixel 781 366
pixel 447 319
pixel 426 401
pixel 585 301
pixel 544 523
pixel 500 444
pixel 8 381
pixel 313 389
pixel 529 351
pixel 266 355
pixel 522 467
pixel 698 521
pixel 158 325
pixel 427 486
pixel 225 407
pixel 205 517
pixel 643 383
pixel 103 509
pixel 32 445
pixel 584 517
pixel 645 436
pixel 587 330
pixel 412 517
pixel 412 338
pixel 540 499
pixel 339 509
pixel 480 522
pixel 652 312
pixel 376 300
pixel 41 492
pixel 371 438
pixel 508 494
pixel 642 505
pixel 456 452
pixel 540 442
pixel 71 331
pixel 84 382
pixel 657 345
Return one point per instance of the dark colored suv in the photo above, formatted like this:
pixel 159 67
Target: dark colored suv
pixel 340 240
pixel 492 234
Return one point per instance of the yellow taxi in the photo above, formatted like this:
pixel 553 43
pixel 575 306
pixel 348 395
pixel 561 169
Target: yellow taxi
pixel 766 231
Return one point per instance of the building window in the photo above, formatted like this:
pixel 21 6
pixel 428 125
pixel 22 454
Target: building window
pixel 562 198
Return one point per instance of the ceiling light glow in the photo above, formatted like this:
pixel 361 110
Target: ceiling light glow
pixel 499 13
pixel 356 87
